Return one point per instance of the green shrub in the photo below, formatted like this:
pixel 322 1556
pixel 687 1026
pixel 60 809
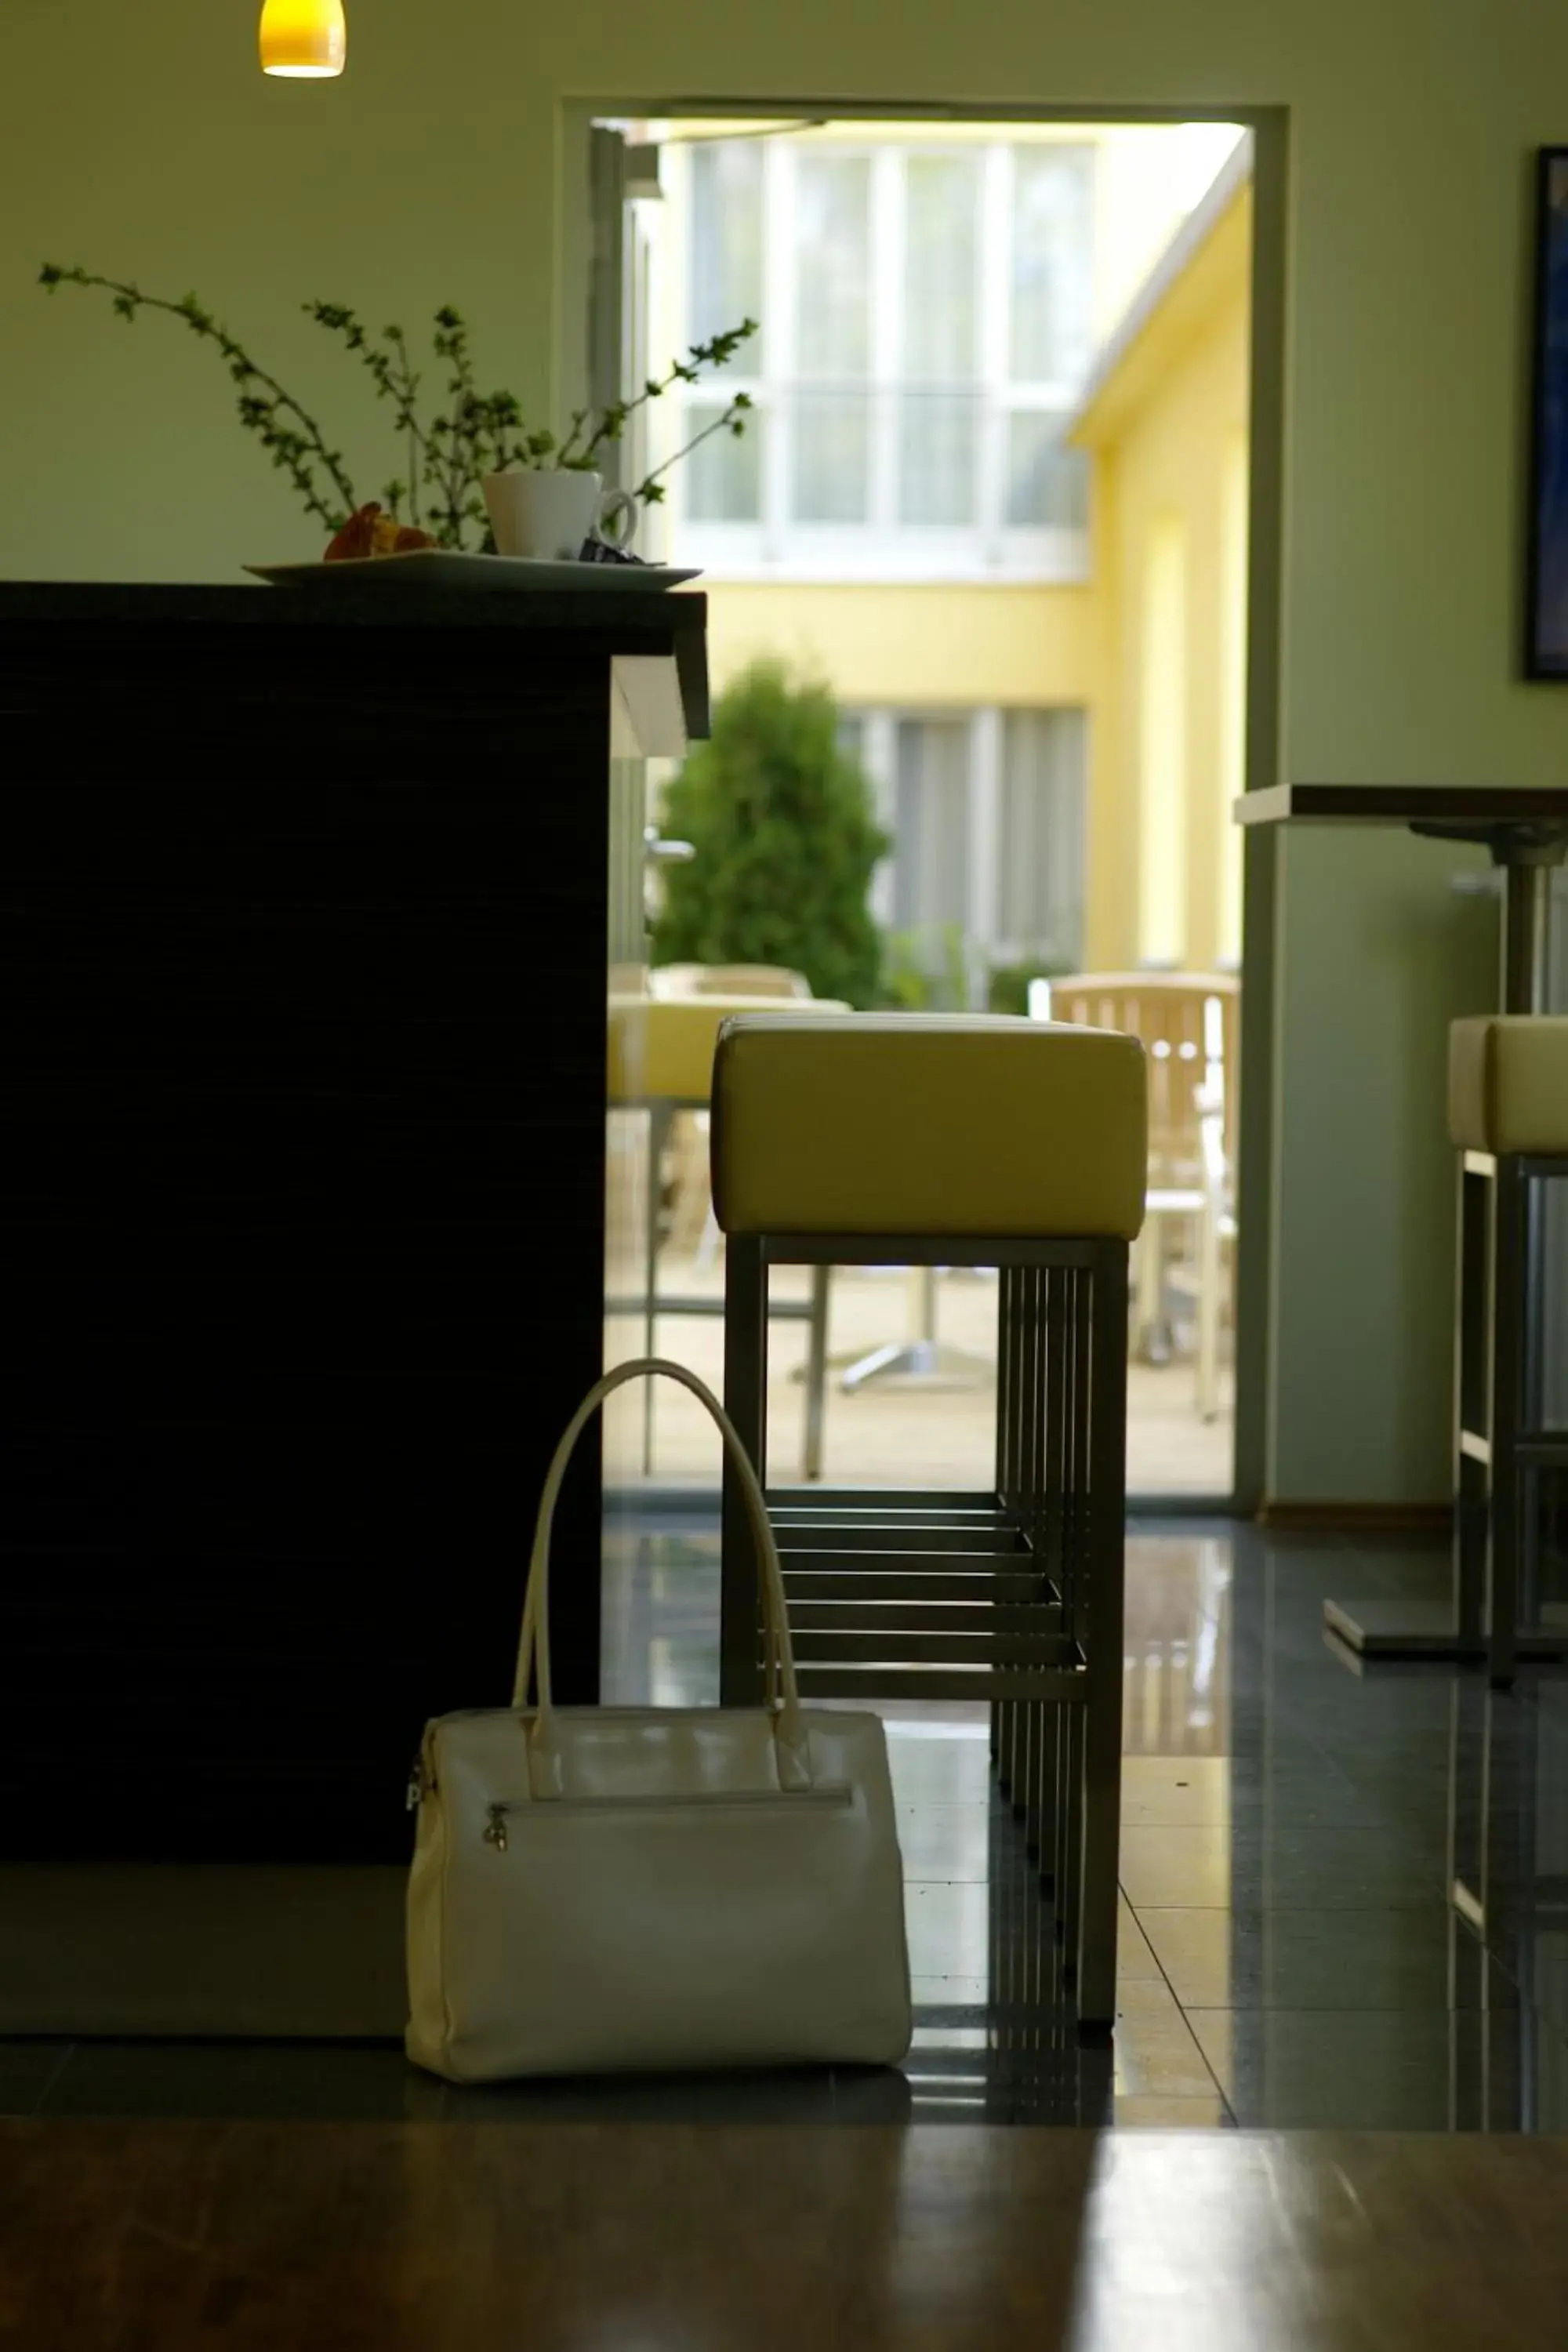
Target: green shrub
pixel 780 818
pixel 1007 989
pixel 926 971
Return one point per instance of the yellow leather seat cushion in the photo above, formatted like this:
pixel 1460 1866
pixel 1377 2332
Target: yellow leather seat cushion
pixel 1508 1084
pixel 663 1046
pixel 926 1124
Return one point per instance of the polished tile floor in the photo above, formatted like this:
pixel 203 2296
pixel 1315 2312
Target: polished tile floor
pixel 1291 1955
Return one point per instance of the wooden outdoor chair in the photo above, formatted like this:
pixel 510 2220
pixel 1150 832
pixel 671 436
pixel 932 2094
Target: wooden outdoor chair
pixel 1188 1024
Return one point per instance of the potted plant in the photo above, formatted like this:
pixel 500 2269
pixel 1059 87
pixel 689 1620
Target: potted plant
pixel 548 496
pixel 472 463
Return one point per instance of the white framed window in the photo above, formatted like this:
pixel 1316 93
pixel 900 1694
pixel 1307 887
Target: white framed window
pixel 926 331
pixel 985 810
pixel 1041 843
pixel 933 828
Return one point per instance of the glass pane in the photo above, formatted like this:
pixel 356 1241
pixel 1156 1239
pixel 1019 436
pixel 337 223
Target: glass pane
pixel 852 736
pixel 942 274
pixel 938 441
pixel 727 241
pixel 931 829
pixel 1047 483
pixel 723 478
pixel 1052 326
pixel 833 265
pixel 1040 883
pixel 832 456
pixel 625 1196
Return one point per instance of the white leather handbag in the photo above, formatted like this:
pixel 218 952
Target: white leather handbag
pixel 607 1889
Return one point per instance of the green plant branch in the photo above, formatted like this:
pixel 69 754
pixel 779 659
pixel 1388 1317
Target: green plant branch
pixel 474 434
pixel 717 352
pixel 298 448
pixel 393 375
pixel 650 489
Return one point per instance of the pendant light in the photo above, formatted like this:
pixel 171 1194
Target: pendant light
pixel 305 41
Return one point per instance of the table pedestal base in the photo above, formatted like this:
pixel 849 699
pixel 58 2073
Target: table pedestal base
pixel 1423 1632
pixel 1428 1632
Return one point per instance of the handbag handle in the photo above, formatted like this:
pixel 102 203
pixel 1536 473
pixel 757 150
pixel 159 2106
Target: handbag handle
pixel 781 1691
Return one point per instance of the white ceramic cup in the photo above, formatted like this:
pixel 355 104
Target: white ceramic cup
pixel 547 512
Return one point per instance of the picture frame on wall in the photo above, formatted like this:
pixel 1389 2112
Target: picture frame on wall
pixel 1546 583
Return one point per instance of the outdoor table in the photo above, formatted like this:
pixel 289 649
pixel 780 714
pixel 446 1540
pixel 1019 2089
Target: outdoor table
pixel 1525 827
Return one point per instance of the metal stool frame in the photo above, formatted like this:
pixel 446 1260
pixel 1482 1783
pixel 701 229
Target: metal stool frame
pixel 1498 1440
pixel 1013 1596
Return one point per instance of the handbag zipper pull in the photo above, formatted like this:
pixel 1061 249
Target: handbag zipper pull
pixel 496 1834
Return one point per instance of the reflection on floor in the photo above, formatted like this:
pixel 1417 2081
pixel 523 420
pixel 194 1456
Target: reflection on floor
pixel 889 1432
pixel 1290 1955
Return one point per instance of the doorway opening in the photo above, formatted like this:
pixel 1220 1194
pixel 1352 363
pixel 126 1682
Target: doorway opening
pixel 993 496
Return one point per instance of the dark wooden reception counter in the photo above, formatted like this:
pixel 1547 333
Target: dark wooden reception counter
pixel 302 906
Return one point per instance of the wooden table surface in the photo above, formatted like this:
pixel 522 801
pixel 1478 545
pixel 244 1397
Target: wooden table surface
pixel 446 2237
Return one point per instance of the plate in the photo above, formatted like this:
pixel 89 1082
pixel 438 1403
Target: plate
pixel 447 567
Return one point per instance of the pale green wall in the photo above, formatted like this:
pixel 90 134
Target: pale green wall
pixel 145 140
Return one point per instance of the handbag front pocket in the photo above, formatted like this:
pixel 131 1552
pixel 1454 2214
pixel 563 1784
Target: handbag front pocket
pixel 835 1795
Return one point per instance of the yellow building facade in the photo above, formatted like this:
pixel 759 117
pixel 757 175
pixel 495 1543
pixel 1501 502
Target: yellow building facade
pixel 1141 634
pixel 1167 420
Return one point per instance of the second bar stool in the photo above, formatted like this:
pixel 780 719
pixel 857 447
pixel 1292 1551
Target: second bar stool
pixel 1508 1115
pixel 909 1140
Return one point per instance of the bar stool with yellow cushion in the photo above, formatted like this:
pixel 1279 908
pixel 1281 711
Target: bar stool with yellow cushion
pixel 660 1060
pixel 898 1140
pixel 1508 1115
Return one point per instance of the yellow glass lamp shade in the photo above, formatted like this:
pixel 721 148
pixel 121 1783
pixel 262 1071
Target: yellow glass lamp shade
pixel 306 40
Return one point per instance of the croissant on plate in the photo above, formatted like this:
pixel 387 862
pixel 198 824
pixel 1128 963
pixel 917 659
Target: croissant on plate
pixel 370 533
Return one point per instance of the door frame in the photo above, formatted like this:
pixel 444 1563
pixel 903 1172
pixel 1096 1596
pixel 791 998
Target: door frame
pixel 1257 1123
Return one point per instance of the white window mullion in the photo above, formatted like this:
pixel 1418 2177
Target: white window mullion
pixel 1069 842
pixel 672 316
pixel 780 244
pixel 883 546
pixel 647 245
pixel 996 289
pixel 881 752
pixel 886 332
pixel 984 834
